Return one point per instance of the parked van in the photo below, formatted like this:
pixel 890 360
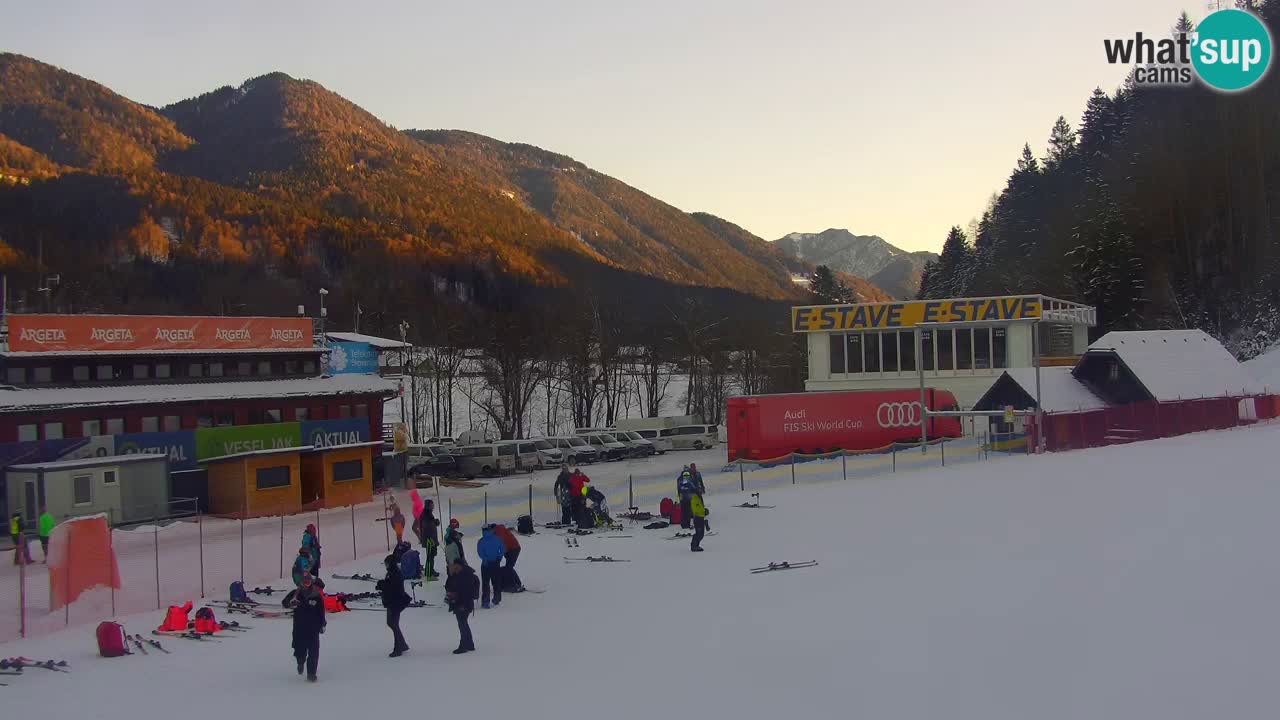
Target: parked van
pixel 653 435
pixel 692 437
pixel 607 444
pixel 487 460
pixel 575 450
pixel 431 459
pixel 534 454
pixel 645 448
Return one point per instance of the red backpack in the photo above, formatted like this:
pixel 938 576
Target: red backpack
pixel 664 507
pixel 111 642
pixel 676 513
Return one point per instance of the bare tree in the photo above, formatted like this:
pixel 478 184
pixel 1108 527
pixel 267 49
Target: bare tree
pixel 513 366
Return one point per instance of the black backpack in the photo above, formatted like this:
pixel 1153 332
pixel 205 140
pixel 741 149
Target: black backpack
pixel 524 525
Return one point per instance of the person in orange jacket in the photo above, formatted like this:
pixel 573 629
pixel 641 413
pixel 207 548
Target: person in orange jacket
pixel 511 580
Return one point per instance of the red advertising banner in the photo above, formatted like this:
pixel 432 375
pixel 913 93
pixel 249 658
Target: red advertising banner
pixel 63 333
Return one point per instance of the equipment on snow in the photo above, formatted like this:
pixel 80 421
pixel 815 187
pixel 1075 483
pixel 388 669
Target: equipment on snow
pixel 773 567
pixel 112 640
pixel 755 504
pixel 592 559
pixel 682 535
pixel 153 643
pixel 524 524
pixel 365 577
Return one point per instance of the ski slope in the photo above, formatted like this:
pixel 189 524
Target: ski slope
pixel 1124 582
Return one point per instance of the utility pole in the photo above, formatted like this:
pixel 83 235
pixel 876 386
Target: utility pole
pixel 404 333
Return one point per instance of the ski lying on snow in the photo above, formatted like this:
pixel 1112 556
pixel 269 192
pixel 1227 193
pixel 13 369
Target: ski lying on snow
pixel 682 535
pixel 363 577
pixel 755 506
pixel 153 643
pixel 18 663
pixel 592 559
pixel 187 634
pixel 771 567
pixel 138 644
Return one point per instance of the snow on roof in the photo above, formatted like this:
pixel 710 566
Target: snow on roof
pixel 1178 364
pixel 89 462
pixel 1265 368
pixel 41 398
pixel 1060 391
pixel 380 343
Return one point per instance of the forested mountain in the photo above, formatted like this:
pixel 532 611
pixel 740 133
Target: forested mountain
pixel 890 268
pixel 1161 208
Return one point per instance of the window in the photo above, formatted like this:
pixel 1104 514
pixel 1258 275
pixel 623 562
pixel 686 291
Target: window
pixel 115 426
pixel 53 431
pixel 348 470
pixel 362 411
pixel 889 351
pixel 108 477
pixel 1113 371
pixel 927 353
pixel 172 423
pixel 964 349
pixel 82 489
pixel 274 415
pixel 999 345
pixel 274 477
pixel 853 352
pixel 837 352
pixel 195 370
pixel 982 348
pixel 244 368
pixel 300 414
pixel 204 421
pixel 226 418
pixel 907 351
pixel 80 373
pixel 106 372
pixel 344 411
pixel 141 372
pixel 163 371
pixel 309 367
pixel 946 350
pixel 89 428
pixel 264 367
pixel 215 369
pixel 506 449
pixel 870 353
pixel 15 375
pixel 291 367
pixel 42 375
pixel 151 423
pixel 28 433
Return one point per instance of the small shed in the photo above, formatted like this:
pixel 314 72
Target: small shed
pixel 338 475
pixel 1163 366
pixel 256 483
pixel 126 488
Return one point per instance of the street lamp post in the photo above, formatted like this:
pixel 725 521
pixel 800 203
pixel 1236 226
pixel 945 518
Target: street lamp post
pixel 324 312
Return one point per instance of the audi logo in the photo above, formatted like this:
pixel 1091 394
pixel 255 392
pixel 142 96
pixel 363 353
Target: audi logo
pixel 899 414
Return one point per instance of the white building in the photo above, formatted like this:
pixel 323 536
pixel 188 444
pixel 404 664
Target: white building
pixel 967 345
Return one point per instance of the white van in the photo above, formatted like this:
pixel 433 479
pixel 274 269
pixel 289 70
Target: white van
pixel 487 459
pixel 535 454
pixel 575 450
pixel 660 443
pixel 692 437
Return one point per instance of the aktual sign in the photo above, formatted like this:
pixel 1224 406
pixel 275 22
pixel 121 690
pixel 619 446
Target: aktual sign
pixel 62 333
pixel 887 316
pixel 179 446
pixel 236 439
pixel 332 433
pixel 352 358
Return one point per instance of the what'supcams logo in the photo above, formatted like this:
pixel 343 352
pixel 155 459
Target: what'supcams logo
pixel 1231 50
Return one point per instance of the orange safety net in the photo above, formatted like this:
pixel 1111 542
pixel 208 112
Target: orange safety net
pixel 80 558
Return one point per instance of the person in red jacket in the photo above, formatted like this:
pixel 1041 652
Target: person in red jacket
pixel 579 500
pixel 511 580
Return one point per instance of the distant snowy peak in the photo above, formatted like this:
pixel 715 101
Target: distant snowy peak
pixel 886 266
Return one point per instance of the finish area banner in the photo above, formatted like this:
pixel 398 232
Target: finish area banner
pixel 74 333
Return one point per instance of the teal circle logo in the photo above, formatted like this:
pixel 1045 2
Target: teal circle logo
pixel 1232 50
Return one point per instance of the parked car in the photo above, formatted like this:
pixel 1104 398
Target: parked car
pixel 430 459
pixel 575 450
pixel 486 459
pixel 692 437
pixel 549 455
pixel 442 440
pixel 533 454
pixel 607 444
pixel 642 445
pixel 654 435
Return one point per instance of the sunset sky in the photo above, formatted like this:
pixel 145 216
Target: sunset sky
pixel 895 119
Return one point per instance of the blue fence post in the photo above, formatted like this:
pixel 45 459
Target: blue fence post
pixel 742 478
pixel 944 452
pixel 793 468
pixel 844 467
pixel 893 450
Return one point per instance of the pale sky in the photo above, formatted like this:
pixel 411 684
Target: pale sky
pixel 892 118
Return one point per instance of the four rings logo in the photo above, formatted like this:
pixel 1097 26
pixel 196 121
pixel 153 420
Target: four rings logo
pixel 898 414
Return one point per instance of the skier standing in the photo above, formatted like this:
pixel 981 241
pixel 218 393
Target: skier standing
pixel 395 600
pixel 685 486
pixel 561 490
pixel 699 511
pixel 491 550
pixel 453 544
pixel 461 590
pixel 301 566
pixel 428 534
pixel 45 526
pixel 311 541
pixel 21 553
pixel 308 624
pixel 699 487
pixel 396 518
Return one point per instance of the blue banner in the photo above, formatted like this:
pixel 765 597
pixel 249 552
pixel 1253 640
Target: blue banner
pixel 349 357
pixel 328 433
pixel 179 446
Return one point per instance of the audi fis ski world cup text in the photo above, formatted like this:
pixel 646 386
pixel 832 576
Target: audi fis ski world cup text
pixel 795 421
pixel 1229 51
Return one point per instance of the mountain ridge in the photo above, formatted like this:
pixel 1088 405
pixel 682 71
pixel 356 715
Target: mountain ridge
pixel 888 267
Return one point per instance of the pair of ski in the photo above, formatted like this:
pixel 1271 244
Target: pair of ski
pixel 412 604
pixel 364 577
pixel 19 663
pixel 253 609
pixel 571 542
pixel 141 643
pixel 685 535
pixel 189 635
pixel 774 567
pixel 755 503
pixel 594 559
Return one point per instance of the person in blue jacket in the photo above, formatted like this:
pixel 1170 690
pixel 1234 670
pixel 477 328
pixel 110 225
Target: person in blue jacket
pixel 301 566
pixel 491 550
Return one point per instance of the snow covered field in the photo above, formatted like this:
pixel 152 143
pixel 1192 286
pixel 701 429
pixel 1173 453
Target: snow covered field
pixel 1123 582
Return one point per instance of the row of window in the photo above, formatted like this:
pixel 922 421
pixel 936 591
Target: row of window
pixel 279 476
pixel 895 351
pixel 160 371
pixel 173 423
pixel 82 487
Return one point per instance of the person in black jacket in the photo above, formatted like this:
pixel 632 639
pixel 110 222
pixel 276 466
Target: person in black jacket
pixel 561 490
pixel 395 600
pixel 461 590
pixel 308 623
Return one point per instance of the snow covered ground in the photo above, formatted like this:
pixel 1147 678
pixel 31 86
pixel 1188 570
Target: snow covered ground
pixel 1123 582
pixel 1265 368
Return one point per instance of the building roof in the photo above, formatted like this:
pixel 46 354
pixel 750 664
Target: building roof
pixel 1178 364
pixel 377 342
pixel 348 446
pixel 90 462
pixel 12 399
pixel 1060 391
pixel 21 354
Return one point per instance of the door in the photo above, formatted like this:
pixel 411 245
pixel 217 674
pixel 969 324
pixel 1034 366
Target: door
pixel 30 511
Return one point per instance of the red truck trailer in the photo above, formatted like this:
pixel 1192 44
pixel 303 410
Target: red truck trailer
pixel 762 427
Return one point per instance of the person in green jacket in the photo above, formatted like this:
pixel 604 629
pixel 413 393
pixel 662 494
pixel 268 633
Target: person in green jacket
pixel 45 525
